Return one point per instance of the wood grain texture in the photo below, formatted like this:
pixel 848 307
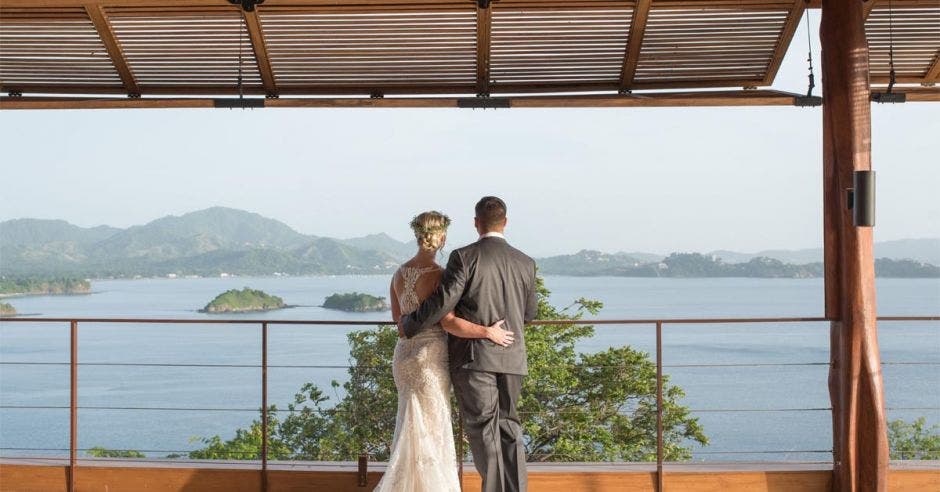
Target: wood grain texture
pixel 204 478
pixel 860 430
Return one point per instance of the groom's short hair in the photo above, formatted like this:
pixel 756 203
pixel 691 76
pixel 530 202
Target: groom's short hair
pixel 491 211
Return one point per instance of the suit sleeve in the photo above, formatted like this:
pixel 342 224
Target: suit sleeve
pixel 532 302
pixel 442 301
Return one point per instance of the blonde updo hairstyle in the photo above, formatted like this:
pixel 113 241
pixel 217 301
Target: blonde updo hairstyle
pixel 430 230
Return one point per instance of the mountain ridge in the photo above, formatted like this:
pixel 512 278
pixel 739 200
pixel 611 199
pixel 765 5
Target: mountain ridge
pixel 219 240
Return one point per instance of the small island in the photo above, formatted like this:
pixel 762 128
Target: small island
pixel 356 303
pixel 243 301
pixel 7 309
pixel 10 287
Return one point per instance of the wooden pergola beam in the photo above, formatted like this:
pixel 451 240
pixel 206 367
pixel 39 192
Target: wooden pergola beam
pixel 933 75
pixel 783 43
pixel 97 16
pixel 867 7
pixel 256 35
pixel 671 99
pixel 631 56
pixel 484 30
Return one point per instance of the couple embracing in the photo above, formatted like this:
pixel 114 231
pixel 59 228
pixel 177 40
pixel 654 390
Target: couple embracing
pixel 460 325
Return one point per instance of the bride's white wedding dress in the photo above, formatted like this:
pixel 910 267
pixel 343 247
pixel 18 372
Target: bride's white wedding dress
pixel 423 457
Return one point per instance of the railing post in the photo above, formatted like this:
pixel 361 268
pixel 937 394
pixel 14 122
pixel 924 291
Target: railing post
pixel 363 472
pixel 659 406
pixel 73 401
pixel 460 451
pixel 264 407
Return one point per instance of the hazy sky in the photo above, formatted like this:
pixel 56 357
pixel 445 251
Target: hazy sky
pixel 647 179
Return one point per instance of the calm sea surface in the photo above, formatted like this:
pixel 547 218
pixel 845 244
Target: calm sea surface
pixel 774 412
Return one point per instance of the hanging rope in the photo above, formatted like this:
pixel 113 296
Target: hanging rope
pixel 809 44
pixel 891 77
pixel 241 34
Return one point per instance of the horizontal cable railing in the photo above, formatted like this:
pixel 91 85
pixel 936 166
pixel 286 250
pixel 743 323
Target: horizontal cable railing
pixel 73 363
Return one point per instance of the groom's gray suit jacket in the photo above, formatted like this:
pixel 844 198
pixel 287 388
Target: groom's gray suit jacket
pixel 484 282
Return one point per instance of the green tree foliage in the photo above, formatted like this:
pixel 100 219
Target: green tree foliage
pixel 913 441
pixel 575 406
pixel 7 309
pixel 355 302
pixel 63 285
pixel 100 452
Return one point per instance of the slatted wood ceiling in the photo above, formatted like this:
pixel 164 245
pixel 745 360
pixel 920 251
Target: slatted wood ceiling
pixel 192 47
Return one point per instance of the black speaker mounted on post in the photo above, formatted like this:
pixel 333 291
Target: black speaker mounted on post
pixel 861 198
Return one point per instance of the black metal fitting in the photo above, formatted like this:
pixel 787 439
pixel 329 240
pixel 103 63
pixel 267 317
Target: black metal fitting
pixel 484 102
pixel 247 5
pixel 889 97
pixel 807 101
pixel 241 102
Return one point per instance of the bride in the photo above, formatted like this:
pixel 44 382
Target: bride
pixel 423 455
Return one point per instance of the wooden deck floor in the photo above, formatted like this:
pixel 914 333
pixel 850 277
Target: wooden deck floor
pixel 127 475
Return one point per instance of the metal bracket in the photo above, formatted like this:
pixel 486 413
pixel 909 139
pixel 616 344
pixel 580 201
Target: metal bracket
pixel 889 97
pixel 625 92
pixel 247 5
pixel 14 94
pixel 807 101
pixel 272 95
pixel 133 95
pixel 240 102
pixel 750 87
pixel 376 95
pixel 484 102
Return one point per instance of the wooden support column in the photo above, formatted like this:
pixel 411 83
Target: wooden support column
pixel 860 444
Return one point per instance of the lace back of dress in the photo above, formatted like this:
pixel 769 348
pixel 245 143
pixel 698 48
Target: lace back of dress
pixel 408 298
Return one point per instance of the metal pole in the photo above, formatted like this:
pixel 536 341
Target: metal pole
pixel 460 451
pixel 264 407
pixel 659 406
pixel 73 401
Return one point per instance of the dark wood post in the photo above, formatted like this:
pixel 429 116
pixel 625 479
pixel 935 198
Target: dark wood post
pixel 860 443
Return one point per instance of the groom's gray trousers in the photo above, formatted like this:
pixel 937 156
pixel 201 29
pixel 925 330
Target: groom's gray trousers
pixel 488 408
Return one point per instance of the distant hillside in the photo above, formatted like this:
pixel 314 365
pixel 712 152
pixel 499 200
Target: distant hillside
pixel 206 242
pixel 384 243
pixel 588 263
pixel 222 240
pixel 696 265
pixel 926 250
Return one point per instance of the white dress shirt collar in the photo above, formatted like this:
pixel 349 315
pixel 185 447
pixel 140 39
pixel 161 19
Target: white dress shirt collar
pixel 493 234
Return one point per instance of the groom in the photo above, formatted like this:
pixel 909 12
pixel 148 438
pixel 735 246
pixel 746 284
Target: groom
pixel 484 282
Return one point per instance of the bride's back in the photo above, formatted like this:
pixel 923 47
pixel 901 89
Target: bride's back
pixel 413 284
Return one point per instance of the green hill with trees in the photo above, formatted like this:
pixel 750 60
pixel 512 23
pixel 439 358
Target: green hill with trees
pixel 242 301
pixel 7 309
pixel 20 286
pixel 355 302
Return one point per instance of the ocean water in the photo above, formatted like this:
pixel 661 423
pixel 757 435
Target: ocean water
pixel 754 405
